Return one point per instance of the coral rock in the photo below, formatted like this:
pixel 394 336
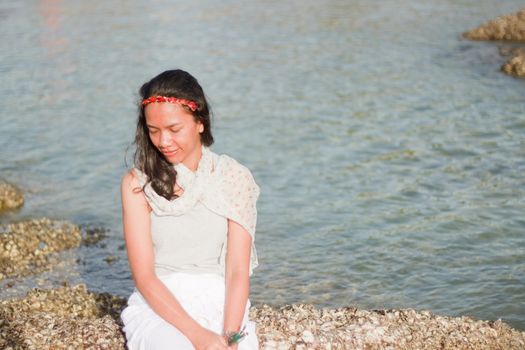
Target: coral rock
pixel 10 197
pixel 509 27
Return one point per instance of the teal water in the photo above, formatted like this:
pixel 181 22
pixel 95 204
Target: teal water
pixel 389 150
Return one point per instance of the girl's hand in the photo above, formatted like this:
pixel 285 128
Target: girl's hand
pixel 205 339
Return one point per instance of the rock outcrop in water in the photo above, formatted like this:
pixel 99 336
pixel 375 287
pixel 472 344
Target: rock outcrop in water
pixel 30 247
pixel 11 197
pixel 74 317
pixel 509 28
pixel 516 64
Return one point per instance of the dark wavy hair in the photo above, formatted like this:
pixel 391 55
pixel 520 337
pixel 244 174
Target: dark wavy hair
pixel 148 159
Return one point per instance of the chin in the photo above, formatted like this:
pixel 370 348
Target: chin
pixel 173 160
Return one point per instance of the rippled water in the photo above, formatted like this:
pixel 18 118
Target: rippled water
pixel 389 150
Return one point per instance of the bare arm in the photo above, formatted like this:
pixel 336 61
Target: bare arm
pixel 237 276
pixel 136 222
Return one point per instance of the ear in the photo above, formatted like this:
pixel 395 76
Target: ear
pixel 201 128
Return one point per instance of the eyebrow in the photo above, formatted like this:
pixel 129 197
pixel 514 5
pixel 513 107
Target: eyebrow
pixel 169 126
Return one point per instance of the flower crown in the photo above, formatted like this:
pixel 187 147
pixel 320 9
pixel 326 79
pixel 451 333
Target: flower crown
pixel 190 104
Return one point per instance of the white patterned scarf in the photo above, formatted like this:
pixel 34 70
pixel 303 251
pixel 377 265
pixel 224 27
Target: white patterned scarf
pixel 220 183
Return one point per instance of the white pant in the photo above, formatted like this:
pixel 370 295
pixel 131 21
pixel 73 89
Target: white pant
pixel 201 295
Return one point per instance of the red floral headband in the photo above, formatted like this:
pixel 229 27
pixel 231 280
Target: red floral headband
pixel 190 104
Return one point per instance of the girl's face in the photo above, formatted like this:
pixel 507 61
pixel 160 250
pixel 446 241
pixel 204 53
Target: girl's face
pixel 175 133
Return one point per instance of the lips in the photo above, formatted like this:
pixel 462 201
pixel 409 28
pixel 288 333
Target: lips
pixel 169 153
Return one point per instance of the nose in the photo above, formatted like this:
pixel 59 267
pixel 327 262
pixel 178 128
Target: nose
pixel 165 139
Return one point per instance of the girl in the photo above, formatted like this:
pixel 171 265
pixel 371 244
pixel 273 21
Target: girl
pixel 189 220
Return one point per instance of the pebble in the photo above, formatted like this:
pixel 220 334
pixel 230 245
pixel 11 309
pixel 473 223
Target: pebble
pixel 308 337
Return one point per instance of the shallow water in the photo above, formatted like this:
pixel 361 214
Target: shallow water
pixel 389 150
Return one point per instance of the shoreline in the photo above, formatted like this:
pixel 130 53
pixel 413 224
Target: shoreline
pixel 73 316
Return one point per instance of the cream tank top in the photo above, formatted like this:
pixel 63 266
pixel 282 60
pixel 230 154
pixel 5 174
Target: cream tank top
pixel 191 242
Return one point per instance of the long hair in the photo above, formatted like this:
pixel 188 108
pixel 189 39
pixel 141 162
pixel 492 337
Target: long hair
pixel 148 159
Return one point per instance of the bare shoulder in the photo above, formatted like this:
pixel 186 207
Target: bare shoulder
pixel 131 191
pixel 130 181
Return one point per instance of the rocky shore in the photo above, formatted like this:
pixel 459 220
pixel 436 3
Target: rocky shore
pixel 73 317
pixel 510 28
pixel 62 318
pixel 30 247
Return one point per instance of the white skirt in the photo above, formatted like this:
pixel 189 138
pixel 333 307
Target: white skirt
pixel 201 295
